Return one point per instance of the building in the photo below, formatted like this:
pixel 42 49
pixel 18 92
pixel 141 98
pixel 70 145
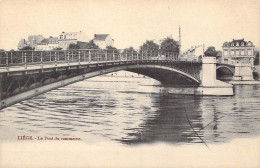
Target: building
pixel 238 51
pixel 103 40
pixel 67 38
pixel 192 54
pixel 32 41
pixel 241 54
pixel 22 43
pixel 48 44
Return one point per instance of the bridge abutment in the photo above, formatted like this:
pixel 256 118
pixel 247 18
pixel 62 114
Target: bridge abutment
pixel 243 72
pixel 209 83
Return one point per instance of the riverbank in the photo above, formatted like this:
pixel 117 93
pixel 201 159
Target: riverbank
pixel 245 82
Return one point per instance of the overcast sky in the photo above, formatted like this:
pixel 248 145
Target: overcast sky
pixel 130 23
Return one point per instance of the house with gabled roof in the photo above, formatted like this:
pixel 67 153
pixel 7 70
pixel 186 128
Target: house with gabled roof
pixel 32 41
pixel 48 44
pixel 103 40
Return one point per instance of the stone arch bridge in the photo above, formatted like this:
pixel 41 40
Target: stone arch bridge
pixel 24 74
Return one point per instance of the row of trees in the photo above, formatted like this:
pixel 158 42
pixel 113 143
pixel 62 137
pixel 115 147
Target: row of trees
pixel 167 45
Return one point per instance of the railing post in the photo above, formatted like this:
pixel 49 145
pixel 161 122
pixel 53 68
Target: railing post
pixel 41 61
pixel 106 55
pixel 79 57
pixel 72 55
pixel 25 65
pixel 84 56
pixel 32 56
pixel 113 59
pixel 55 58
pixel 6 62
pixel 11 57
pixel 68 58
pixel 89 56
pixel 22 58
pixel 58 56
pixel 98 55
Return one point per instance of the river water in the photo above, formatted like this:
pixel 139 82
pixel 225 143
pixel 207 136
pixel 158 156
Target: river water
pixel 132 111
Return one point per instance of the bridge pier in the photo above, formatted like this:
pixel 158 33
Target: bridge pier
pixel 243 72
pixel 209 83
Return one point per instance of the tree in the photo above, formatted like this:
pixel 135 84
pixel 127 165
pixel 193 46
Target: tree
pixel 73 46
pixel 2 50
pixel 111 48
pixel 211 52
pixel 27 48
pixel 128 49
pixel 149 45
pixel 170 45
pixel 89 45
pixel 57 48
pixel 256 60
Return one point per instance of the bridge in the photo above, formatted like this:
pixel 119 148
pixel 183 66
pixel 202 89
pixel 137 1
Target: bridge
pixel 25 74
pixel 225 71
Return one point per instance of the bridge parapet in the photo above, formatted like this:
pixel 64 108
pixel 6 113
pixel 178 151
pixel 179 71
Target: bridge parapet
pixel 25 58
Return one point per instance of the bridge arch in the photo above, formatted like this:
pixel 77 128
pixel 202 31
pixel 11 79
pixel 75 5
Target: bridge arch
pixel 165 74
pixel 224 72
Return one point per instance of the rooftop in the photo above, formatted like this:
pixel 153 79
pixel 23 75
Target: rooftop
pixel 100 37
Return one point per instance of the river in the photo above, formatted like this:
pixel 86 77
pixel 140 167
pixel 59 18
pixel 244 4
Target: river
pixel 131 110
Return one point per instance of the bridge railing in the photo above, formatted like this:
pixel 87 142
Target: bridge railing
pixel 24 58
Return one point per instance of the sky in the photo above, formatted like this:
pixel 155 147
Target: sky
pixel 131 23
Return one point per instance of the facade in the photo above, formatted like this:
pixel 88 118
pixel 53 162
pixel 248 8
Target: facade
pixel 48 44
pixel 241 54
pixel 238 51
pixel 103 40
pixel 67 38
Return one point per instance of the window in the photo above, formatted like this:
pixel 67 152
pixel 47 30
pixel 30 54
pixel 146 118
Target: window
pixel 249 44
pixel 242 44
pixel 225 61
pixel 232 44
pixel 61 36
pixel 225 52
pixel 242 52
pixel 249 52
pixel 232 52
pixel 237 44
pixel 237 52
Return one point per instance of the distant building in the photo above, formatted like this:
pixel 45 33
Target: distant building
pixel 65 39
pixel 32 41
pixel 22 43
pixel 238 51
pixel 194 53
pixel 48 44
pixel 103 40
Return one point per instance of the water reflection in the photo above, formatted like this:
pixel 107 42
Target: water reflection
pixel 170 123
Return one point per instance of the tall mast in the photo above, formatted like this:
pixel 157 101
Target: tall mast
pixel 179 40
